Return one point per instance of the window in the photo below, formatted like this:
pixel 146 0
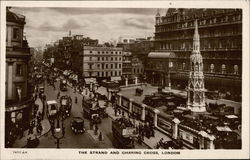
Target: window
pixel 19 70
pixel 120 65
pixel 98 65
pixel 116 65
pixel 16 33
pixel 107 66
pixel 236 69
pixel 103 74
pixel 98 52
pixel 111 58
pixel 116 58
pixel 98 58
pixel 223 68
pixel 98 74
pixel 90 58
pixel 111 74
pixel 90 66
pixel 111 52
pixel 90 74
pixel 212 68
pixel 107 58
pixel 111 66
pixel 90 51
pixel 103 66
pixel 103 58
pixel 115 52
pixel 120 52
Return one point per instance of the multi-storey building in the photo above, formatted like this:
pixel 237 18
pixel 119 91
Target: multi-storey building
pixel 220 45
pixel 137 67
pixel 18 99
pixel 127 65
pixel 102 62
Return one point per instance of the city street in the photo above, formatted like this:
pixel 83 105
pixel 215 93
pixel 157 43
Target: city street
pixel 71 140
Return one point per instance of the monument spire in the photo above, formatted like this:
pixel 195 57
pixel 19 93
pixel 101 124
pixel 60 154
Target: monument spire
pixel 196 89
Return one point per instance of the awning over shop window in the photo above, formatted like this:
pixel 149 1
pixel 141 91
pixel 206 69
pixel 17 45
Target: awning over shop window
pixel 116 78
pixel 224 129
pixel 90 80
pixel 161 55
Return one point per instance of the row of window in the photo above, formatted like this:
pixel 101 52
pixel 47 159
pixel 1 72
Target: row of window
pixel 106 74
pixel 201 22
pixel 106 66
pixel 213 44
pixel 107 58
pixel 212 68
pixel 107 52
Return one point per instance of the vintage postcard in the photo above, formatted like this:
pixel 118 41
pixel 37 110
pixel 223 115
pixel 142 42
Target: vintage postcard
pixel 124 80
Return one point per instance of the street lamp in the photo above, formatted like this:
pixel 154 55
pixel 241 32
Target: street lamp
pixel 57 128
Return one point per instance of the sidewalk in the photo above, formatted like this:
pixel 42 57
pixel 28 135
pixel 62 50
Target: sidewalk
pixel 46 128
pixel 21 143
pixel 150 142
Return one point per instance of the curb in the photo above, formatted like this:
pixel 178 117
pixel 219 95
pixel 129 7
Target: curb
pixel 38 137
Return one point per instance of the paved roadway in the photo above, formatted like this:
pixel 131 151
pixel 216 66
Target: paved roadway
pixel 84 140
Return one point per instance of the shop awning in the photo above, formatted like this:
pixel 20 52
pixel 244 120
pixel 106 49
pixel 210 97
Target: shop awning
pixel 116 78
pixel 161 55
pixel 224 129
pixel 90 80
pixel 231 116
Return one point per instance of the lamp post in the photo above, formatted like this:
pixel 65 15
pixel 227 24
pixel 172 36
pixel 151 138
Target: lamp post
pixel 57 128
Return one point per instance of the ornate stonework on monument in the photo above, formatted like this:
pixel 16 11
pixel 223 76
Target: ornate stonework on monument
pixel 196 89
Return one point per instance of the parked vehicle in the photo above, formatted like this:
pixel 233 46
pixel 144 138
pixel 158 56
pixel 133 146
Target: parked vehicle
pixel 77 125
pixel 138 91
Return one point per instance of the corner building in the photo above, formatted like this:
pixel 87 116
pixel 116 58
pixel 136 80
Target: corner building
pixel 220 33
pixel 18 91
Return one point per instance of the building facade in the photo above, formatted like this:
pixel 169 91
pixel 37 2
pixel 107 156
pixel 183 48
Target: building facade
pixel 102 62
pixel 137 67
pixel 127 65
pixel 220 33
pixel 18 100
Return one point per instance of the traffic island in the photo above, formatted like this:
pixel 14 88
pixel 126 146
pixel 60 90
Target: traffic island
pixel 96 136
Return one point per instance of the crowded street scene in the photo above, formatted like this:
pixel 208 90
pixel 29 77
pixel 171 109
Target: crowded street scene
pixel 146 78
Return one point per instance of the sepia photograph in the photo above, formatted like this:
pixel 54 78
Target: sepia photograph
pixel 136 80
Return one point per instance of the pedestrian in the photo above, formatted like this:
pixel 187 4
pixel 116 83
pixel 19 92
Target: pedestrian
pixel 58 94
pixel 75 99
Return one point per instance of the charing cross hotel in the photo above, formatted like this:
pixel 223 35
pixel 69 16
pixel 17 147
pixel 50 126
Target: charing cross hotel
pixel 220 32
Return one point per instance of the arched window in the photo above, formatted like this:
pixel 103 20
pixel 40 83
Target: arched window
pixel 212 68
pixel 236 69
pixel 223 68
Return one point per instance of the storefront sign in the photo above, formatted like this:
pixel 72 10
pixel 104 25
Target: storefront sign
pixel 164 124
pixel 125 102
pixel 186 136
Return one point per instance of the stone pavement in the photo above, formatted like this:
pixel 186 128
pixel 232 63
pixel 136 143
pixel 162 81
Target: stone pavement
pixel 21 142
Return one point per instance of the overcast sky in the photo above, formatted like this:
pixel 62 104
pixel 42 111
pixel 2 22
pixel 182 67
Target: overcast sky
pixel 45 25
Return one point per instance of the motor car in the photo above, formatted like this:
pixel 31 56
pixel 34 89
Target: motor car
pixel 77 125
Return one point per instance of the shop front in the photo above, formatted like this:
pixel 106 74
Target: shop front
pixel 17 120
pixel 136 111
